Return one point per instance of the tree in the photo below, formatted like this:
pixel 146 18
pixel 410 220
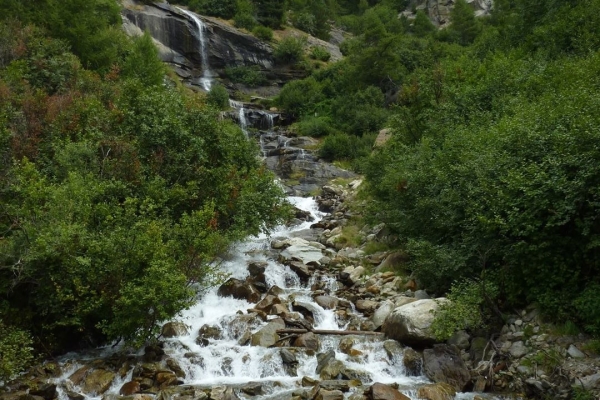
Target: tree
pixel 464 26
pixel 270 12
pixel 143 64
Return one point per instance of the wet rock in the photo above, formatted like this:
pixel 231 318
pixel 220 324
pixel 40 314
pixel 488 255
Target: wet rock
pixel 46 390
pixel 444 364
pixel 253 388
pixel 347 343
pixel 74 395
pixel 307 340
pixel 327 302
pixel 341 385
pixel 98 381
pixel 174 329
pixel 175 367
pixel 166 378
pixel 267 303
pixel 223 393
pixel 257 276
pixel 436 391
pixel 393 349
pixel 323 359
pixel 239 290
pixel 306 309
pixel 209 332
pixel 301 270
pixel 153 353
pixel 379 391
pixel 77 376
pixel 332 370
pixel 413 362
pixel 411 323
pixel 288 357
pixel 324 394
pixel 130 388
pixel 301 250
pixel 267 336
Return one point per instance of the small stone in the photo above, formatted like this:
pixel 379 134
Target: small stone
pixel 575 352
pixel 518 349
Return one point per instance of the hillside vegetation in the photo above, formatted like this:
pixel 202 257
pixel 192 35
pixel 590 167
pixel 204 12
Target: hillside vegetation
pixel 117 189
pixel 491 173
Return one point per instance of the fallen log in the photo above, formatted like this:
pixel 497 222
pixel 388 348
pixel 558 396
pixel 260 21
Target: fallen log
pixel 326 332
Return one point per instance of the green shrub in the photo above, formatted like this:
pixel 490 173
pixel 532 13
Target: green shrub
pixel 305 22
pixel 290 50
pixel 248 75
pixel 15 351
pixel 588 309
pixel 465 310
pixel 300 97
pixel 263 33
pixel 244 20
pixel 320 53
pixel 315 126
pixel 340 146
pixel 218 97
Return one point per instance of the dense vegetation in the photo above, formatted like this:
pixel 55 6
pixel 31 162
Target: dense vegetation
pixel 118 189
pixel 492 169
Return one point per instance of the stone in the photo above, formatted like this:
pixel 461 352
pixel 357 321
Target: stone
pixel 436 391
pixel 267 336
pixel 130 388
pixel 421 295
pixel 413 362
pixel 347 343
pixel 327 302
pixel 402 300
pixel 174 329
pixel 45 390
pixel 239 290
pixel 478 346
pixel 460 339
pixel 98 381
pixel 589 382
pixel 518 349
pixel 301 270
pixel 222 393
pixel 307 340
pixel 411 322
pixel 288 357
pixel 574 352
pixel 323 359
pixel 175 367
pixel 341 385
pixel 267 303
pixel 393 349
pixel 383 311
pixel 366 306
pixel 379 391
pixel 301 250
pixel 323 394
pixel 444 364
pixel 332 370
pixel 253 388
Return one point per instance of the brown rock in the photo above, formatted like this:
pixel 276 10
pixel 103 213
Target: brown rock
pixel 308 340
pixel 267 303
pixel 327 302
pixel 323 394
pixel 443 364
pixel 379 391
pixel 98 381
pixel 239 290
pixel 436 391
pixel 173 329
pixel 130 388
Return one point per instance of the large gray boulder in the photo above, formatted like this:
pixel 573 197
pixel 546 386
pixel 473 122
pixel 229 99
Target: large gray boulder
pixel 267 336
pixel 443 364
pixel 301 250
pixel 411 323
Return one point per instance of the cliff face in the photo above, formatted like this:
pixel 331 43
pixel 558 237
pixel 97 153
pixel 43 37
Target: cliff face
pixel 178 41
pixel 439 10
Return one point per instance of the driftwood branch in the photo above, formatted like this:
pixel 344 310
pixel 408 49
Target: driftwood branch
pixel 326 332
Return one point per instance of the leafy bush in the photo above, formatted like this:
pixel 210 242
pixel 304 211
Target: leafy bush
pixel 300 97
pixel 248 75
pixel 15 351
pixel 340 146
pixel 465 310
pixel 218 97
pixel 290 50
pixel 587 308
pixel 315 126
pixel 305 22
pixel 263 33
pixel 245 21
pixel 320 53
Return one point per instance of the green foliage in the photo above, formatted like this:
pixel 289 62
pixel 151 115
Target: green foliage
pixel 465 309
pixel 315 126
pixel 580 393
pixel 300 97
pixel 218 96
pixel 339 146
pixel 270 12
pixel 421 25
pixel 464 28
pixel 248 75
pixel 15 351
pixel 587 308
pixel 289 50
pixel 263 33
pixel 143 63
pixel 320 53
pixel 217 8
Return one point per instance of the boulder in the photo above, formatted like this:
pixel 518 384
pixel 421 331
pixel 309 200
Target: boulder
pixel 366 306
pixel 174 329
pixel 307 340
pixel 222 393
pixel 130 388
pixel 332 370
pixel 301 250
pixel 323 359
pixel 327 302
pixel 239 290
pixel 323 394
pixel 393 349
pixel 382 312
pixel 413 362
pixel 267 336
pixel 267 303
pixel 460 339
pixel 411 323
pixel 341 385
pixel 379 391
pixel 45 390
pixel 301 270
pixel 98 381
pixel 444 364
pixel 436 391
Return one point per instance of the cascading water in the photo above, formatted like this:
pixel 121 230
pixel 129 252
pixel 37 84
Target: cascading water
pixel 207 76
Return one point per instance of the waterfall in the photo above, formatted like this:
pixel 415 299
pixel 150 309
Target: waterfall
pixel 206 79
pixel 238 105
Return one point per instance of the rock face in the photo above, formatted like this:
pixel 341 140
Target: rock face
pixel 439 10
pixel 443 364
pixel 411 322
